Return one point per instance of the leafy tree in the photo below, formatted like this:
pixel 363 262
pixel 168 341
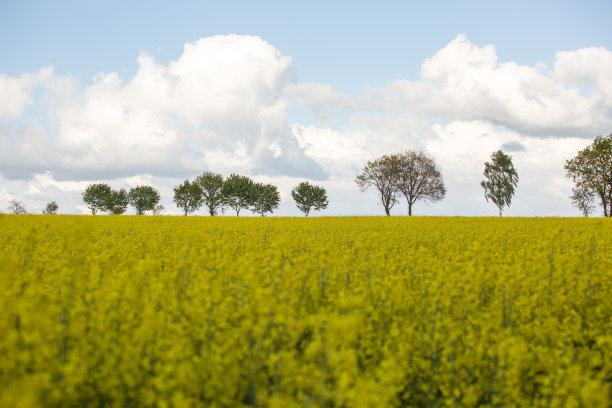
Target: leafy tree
pixel 591 171
pixel 501 180
pixel 264 198
pixel 51 208
pixel 118 201
pixel 212 197
pixel 381 174
pixel 419 178
pixel 143 198
pixel 96 196
pixel 17 207
pixel 583 199
pixel 188 196
pixel 308 197
pixel 237 192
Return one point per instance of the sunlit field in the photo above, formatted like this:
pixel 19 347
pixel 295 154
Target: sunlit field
pixel 293 312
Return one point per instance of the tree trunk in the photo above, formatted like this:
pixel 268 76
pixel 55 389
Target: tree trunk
pixel 387 212
pixel 500 211
pixel 409 209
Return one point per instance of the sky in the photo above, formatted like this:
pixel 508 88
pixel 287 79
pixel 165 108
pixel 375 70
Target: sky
pixel 132 93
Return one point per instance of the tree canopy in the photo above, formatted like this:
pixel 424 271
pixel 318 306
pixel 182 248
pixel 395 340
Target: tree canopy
pixel 308 197
pixel 591 171
pixel 381 174
pixel 96 197
pixel 419 178
pixel 118 202
pixel 188 196
pixel 265 198
pixel 501 180
pixel 211 185
pixel 143 198
pixel 236 191
pixel 51 208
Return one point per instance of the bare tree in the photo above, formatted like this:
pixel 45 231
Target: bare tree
pixel 419 178
pixel 381 174
pixel 17 207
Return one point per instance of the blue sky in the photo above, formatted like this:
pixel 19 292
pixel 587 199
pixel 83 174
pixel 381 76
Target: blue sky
pixel 348 71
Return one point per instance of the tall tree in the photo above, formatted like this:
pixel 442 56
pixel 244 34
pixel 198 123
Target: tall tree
pixel 212 197
pixel 51 208
pixel 264 198
pixel 188 196
pixel 381 174
pixel 17 207
pixel 237 192
pixel 96 197
pixel 308 197
pixel 419 178
pixel 118 201
pixel 591 171
pixel 501 180
pixel 143 198
pixel 583 199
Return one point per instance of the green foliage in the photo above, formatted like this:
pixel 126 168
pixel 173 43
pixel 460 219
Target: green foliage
pixel 51 208
pixel 309 197
pixel 591 171
pixel 118 201
pixel 188 196
pixel 501 180
pixel 96 196
pixel 143 198
pixel 264 198
pixel 211 184
pixel 237 192
pixel 382 174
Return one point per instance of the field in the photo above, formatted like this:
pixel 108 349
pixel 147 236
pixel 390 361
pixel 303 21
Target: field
pixel 292 312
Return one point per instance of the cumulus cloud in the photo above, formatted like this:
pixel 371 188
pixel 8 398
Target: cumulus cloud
pixel 222 92
pixel 464 81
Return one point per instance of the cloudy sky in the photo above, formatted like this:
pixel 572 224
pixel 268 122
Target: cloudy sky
pixel 154 93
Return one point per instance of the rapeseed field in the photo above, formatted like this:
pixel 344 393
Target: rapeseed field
pixel 290 312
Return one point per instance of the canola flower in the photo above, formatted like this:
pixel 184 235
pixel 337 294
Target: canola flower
pixel 290 312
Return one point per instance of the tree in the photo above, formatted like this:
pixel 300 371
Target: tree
pixel 17 207
pixel 591 171
pixel 212 197
pixel 308 197
pixel 237 192
pixel 143 198
pixel 382 175
pixel 583 199
pixel 188 196
pixel 117 203
pixel 501 180
pixel 96 196
pixel 158 209
pixel 419 178
pixel 51 208
pixel 264 198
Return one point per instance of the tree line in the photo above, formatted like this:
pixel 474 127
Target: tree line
pixel 413 175
pixel 210 190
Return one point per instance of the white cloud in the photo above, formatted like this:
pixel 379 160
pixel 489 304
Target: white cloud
pixel 14 97
pixel 221 91
pixel 463 81
pixel 588 66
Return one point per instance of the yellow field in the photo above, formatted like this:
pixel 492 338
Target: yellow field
pixel 327 312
